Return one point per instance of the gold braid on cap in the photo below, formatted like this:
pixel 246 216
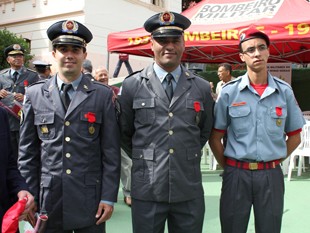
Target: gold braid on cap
pixel 70 37
pixel 160 29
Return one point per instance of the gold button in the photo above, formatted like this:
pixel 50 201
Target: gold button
pixel 67 123
pixel 67 139
pixel 141 156
pixel 170 114
pixel 68 171
pixel 171 151
pixel 170 132
pixel 143 104
pixel 68 155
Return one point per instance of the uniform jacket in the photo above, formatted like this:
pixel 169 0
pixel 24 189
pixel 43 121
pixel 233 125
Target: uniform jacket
pixel 26 77
pixel 165 139
pixel 11 182
pixel 79 159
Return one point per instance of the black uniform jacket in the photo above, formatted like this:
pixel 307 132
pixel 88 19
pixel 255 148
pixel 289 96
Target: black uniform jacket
pixel 71 160
pixel 11 182
pixel 165 138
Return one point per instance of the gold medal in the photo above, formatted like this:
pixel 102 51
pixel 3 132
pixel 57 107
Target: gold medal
pixel 44 129
pixel 279 122
pixel 91 129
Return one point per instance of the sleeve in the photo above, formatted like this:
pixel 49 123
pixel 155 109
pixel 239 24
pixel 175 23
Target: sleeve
pixel 127 116
pixel 295 119
pixel 29 149
pixel 206 122
pixel 15 181
pixel 110 144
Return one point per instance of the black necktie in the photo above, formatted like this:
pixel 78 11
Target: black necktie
pixel 169 87
pixel 15 74
pixel 65 95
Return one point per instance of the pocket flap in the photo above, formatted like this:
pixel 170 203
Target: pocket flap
pixel 44 118
pixel 146 154
pixel 190 103
pixel 144 103
pixel 92 178
pixel 193 153
pixel 96 116
pixel 239 111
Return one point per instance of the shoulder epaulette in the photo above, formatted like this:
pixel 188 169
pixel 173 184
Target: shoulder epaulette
pixel 4 70
pixel 138 71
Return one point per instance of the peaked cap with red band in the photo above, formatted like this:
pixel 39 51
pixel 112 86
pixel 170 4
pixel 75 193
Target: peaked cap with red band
pixel 167 24
pixel 69 32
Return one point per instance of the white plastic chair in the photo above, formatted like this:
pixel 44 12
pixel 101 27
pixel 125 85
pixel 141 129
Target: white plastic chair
pixel 208 155
pixel 303 150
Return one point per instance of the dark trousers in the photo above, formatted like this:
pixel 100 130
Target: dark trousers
pixel 182 217
pixel 118 68
pixel 242 189
pixel 90 229
pixel 14 143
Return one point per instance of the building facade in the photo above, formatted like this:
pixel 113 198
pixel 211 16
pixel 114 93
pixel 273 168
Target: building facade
pixel 31 18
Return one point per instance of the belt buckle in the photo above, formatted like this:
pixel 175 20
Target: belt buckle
pixel 253 166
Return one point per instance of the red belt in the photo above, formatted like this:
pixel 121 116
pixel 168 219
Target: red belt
pixel 252 166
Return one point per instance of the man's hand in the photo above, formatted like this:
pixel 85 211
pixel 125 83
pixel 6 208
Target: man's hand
pixel 19 97
pixel 30 205
pixel 3 93
pixel 104 212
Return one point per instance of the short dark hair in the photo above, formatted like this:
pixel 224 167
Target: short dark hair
pixel 227 66
pixel 87 65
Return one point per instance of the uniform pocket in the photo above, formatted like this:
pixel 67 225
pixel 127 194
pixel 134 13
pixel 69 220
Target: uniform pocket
pixel 194 158
pixel 90 124
pixel 240 118
pixel 45 125
pixel 144 110
pixel 193 114
pixel 276 121
pixel 92 190
pixel 143 164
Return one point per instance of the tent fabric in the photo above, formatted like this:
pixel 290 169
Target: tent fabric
pixel 216 24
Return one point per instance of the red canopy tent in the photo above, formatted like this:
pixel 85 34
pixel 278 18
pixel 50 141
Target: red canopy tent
pixel 216 24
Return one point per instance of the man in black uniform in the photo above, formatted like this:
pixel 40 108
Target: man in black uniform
pixel 69 139
pixel 166 119
pixel 13 82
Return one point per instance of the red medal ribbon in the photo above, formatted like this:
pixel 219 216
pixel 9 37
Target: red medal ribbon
pixel 26 83
pixel 197 106
pixel 279 111
pixel 91 117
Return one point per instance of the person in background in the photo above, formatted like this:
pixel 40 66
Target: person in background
pixel 224 73
pixel 87 69
pixel 69 139
pixel 166 119
pixel 13 82
pixel 12 185
pixel 43 69
pixel 102 75
pixel 122 58
pixel 263 122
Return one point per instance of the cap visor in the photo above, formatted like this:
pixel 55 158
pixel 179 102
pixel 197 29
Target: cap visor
pixel 167 33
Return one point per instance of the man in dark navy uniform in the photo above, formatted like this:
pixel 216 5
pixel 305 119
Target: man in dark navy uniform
pixel 69 144
pixel 13 82
pixel 166 119
pixel 12 184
